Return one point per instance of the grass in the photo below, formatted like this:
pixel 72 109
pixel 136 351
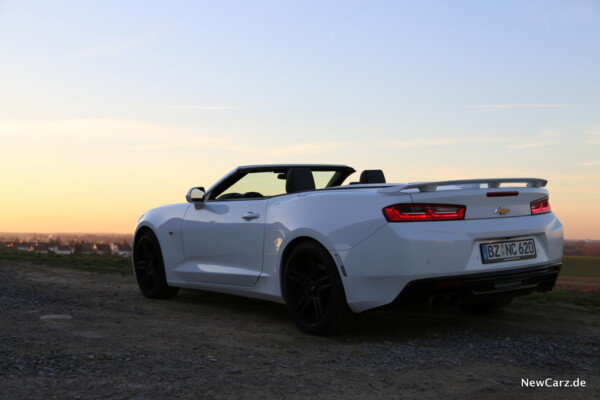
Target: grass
pixel 582 267
pixel 573 266
pixel 586 299
pixel 92 263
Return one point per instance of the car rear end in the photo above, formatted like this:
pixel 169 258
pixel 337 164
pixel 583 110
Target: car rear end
pixel 456 243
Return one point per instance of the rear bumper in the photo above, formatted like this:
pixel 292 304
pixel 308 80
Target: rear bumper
pixel 380 268
pixel 480 287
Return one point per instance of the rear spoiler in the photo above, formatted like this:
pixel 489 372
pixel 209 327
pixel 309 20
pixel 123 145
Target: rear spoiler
pixel 467 184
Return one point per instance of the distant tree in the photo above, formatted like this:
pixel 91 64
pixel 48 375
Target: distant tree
pixel 77 248
pixel 592 249
pixel 55 241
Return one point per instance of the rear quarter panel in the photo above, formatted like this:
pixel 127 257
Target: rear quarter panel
pixel 339 219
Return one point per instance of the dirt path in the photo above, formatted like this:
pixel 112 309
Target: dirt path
pixel 575 283
pixel 200 345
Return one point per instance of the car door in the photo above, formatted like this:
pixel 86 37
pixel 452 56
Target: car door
pixel 223 242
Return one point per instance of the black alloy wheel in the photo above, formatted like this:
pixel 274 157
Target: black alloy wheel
pixel 149 268
pixel 313 291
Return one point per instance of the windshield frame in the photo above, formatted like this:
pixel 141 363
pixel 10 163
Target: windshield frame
pixel 341 172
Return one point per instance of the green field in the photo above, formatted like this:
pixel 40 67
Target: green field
pixel 583 267
pixel 100 264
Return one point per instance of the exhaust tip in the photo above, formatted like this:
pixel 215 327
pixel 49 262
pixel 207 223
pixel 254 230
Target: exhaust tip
pixel 547 285
pixel 451 300
pixel 435 301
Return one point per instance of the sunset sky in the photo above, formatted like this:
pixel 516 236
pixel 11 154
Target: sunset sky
pixel 108 108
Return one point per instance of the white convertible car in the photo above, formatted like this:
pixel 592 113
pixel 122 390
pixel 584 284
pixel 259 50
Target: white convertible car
pixel 295 234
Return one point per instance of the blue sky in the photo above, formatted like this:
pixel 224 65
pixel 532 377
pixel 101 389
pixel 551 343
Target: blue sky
pixel 184 91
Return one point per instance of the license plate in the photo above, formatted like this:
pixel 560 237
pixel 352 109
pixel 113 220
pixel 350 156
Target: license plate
pixel 509 250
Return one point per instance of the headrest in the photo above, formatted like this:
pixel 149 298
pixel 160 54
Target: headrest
pixel 372 176
pixel 299 179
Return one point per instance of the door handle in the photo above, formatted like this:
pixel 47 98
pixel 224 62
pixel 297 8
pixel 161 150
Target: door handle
pixel 250 215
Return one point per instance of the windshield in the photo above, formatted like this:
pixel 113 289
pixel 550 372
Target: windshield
pixel 267 183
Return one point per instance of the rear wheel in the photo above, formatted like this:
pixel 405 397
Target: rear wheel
pixel 150 269
pixel 313 291
pixel 487 307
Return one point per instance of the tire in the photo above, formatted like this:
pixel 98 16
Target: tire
pixel 149 268
pixel 313 291
pixel 487 307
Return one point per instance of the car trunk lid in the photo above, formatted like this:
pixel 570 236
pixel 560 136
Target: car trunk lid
pixel 495 198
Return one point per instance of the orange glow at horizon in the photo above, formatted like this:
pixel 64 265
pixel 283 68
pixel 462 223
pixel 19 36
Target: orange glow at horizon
pixel 74 185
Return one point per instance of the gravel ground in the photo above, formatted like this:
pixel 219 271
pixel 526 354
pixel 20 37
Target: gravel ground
pixel 68 334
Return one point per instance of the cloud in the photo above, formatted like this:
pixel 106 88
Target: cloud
pixel 544 142
pixel 7 128
pixel 407 144
pixel 83 128
pixel 117 45
pixel 553 134
pixel 592 130
pixel 91 134
pixel 505 106
pixel 202 107
pixel 97 135
pixel 190 141
pixel 304 148
pixel 532 145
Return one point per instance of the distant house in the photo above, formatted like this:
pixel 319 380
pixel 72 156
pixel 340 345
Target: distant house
pixel 41 248
pixel 574 247
pixel 103 249
pixel 590 248
pixel 87 249
pixel 6 245
pixel 24 246
pixel 62 249
pixel 122 250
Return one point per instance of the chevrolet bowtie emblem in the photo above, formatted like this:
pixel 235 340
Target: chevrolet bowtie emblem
pixel 501 210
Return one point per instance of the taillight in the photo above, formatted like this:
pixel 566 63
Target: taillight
pixel 423 212
pixel 540 206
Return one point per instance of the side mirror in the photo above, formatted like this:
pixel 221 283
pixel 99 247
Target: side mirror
pixel 195 195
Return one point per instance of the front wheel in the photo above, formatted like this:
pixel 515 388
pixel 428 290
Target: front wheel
pixel 313 291
pixel 150 269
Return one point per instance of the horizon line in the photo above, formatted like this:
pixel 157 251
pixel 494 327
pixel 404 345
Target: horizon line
pixel 131 233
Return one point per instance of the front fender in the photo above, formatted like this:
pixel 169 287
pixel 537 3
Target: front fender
pixel 166 223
